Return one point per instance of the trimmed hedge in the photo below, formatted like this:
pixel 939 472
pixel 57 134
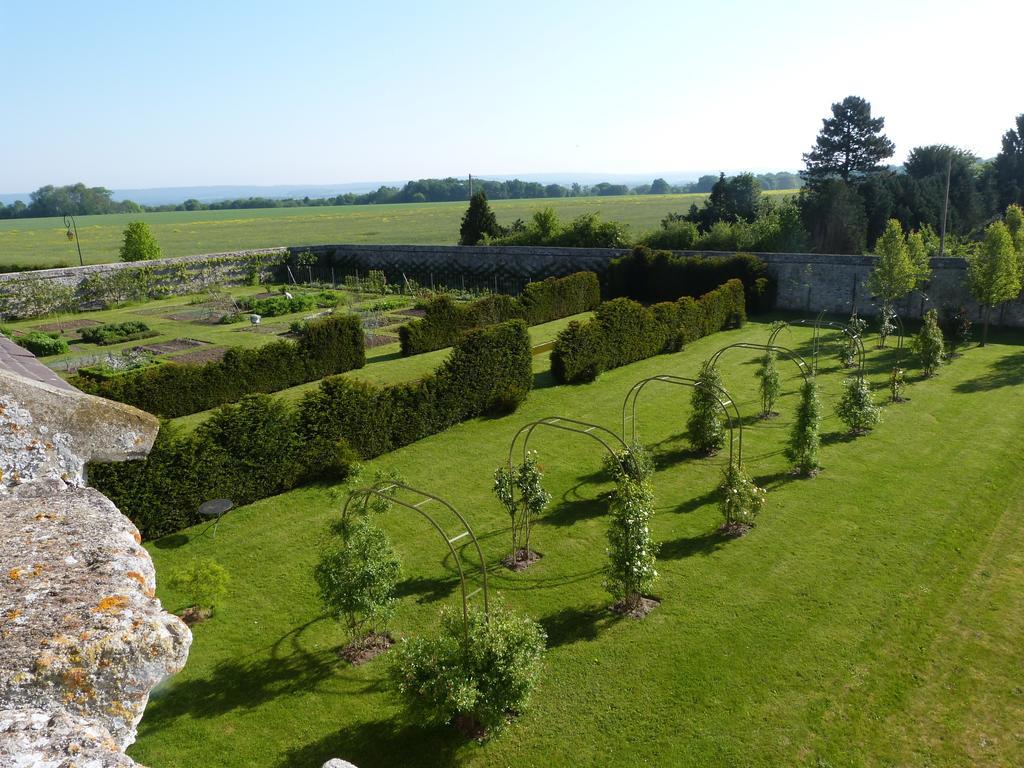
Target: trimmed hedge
pixel 624 331
pixel 653 276
pixel 540 302
pixel 327 345
pixel 263 445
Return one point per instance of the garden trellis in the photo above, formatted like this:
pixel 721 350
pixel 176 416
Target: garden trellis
pixel 384 490
pixel 817 324
pixel 723 398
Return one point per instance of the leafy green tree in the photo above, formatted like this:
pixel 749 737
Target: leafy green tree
pixel 856 408
pixel 850 144
pixel 894 275
pixel 526 478
pixel 833 214
pixel 992 273
pixel 732 199
pixel 917 251
pixel 139 243
pixel 478 222
pixel 770 385
pixel 479 678
pixel 1014 219
pixel 357 578
pixel 660 187
pixel 1009 165
pixel 805 438
pixel 928 343
pixel 704 427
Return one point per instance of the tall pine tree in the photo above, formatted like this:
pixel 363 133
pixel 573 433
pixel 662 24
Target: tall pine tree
pixel 851 143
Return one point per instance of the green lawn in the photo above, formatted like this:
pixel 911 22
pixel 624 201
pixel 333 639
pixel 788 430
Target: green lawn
pixel 42 242
pixel 872 618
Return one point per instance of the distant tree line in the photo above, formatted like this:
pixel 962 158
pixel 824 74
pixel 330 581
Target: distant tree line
pixel 79 200
pixel 848 199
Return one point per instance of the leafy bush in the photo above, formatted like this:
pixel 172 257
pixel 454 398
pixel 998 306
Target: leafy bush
pixel 479 678
pixel 928 343
pixel 540 302
pixel 42 344
pixel 115 333
pixel 327 345
pixel 956 326
pixel 275 306
pixel 204 582
pixel 139 243
pixel 263 445
pixel 704 428
pixel 856 408
pixel 805 439
pixel 768 373
pixel 740 499
pixel 623 331
pixel 652 276
pixel 357 578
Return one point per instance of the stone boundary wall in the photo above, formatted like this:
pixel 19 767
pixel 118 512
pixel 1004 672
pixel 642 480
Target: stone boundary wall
pixel 806 282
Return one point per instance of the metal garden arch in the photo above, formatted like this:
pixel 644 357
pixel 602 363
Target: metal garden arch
pixel 722 397
pixel 602 435
pixel 384 489
pixel 818 324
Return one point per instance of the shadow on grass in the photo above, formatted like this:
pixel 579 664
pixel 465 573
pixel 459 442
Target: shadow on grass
pixel 692 505
pixel 705 544
pixel 571 625
pixel 426 589
pixel 380 743
pixel 572 510
pixel 544 379
pixel 384 358
pixel 833 438
pixel 173 541
pixel 1005 372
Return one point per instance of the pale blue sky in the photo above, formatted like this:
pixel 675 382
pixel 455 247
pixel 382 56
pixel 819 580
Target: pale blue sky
pixel 131 94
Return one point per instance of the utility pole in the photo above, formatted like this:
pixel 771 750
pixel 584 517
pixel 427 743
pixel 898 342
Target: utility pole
pixel 945 207
pixel 471 185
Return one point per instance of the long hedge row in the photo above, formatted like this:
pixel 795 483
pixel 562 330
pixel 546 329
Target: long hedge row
pixel 540 302
pixel 654 276
pixel 327 345
pixel 263 445
pixel 623 331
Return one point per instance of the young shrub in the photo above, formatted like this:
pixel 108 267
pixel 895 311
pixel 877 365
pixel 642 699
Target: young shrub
pixel 928 343
pixel 533 500
pixel 139 243
pixel 42 344
pixel 770 387
pixel 631 552
pixel 805 440
pixel 740 500
pixel 704 427
pixel 956 328
pixel 203 582
pixel 356 581
pixel 476 679
pixel 896 385
pixel 856 408
pixel 578 353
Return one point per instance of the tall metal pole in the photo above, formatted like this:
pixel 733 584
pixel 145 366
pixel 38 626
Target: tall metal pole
pixel 945 207
pixel 471 185
pixel 74 236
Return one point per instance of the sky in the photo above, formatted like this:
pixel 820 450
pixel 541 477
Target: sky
pixel 135 95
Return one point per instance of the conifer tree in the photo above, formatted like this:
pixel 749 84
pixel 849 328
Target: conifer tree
pixel 478 221
pixel 805 440
pixel 704 427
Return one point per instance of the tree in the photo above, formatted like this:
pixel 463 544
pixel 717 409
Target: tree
pixel 850 144
pixel 804 440
pixel 894 276
pixel 478 221
pixel 1014 220
pixel 833 214
pixel 357 579
pixel 928 343
pixel 139 243
pixel 631 551
pixel 704 427
pixel 204 582
pixel 917 252
pixel 856 408
pixel 992 273
pixel 1009 166
pixel 731 199
pixel 659 187
pixel 768 373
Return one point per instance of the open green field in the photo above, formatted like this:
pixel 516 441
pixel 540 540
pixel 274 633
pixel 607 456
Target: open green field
pixel 872 618
pixel 42 242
